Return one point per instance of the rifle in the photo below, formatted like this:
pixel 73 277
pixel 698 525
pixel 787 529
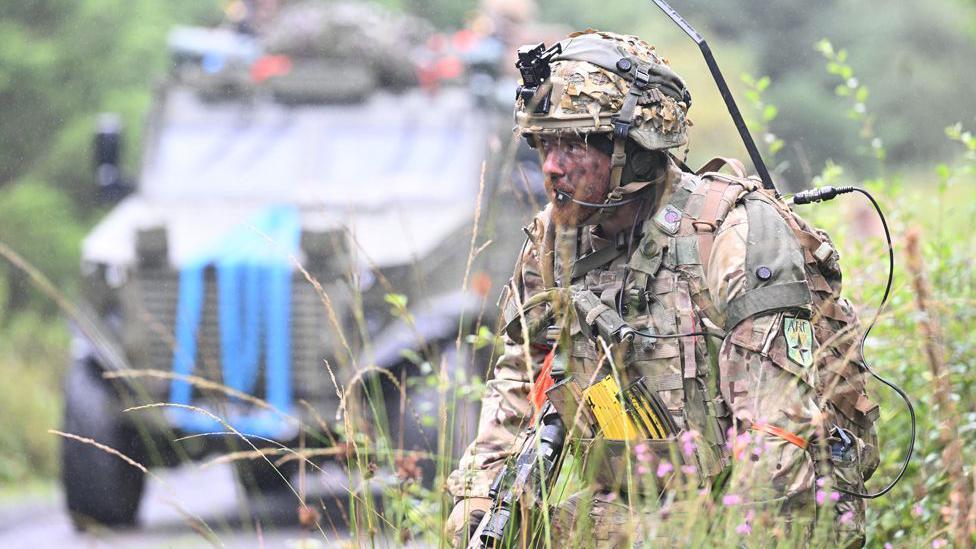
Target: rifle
pixel 533 473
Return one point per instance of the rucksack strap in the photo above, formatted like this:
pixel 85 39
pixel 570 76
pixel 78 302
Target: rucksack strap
pixel 719 196
pixel 717 163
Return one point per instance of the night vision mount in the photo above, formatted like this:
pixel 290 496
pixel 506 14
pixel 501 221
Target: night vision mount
pixel 533 64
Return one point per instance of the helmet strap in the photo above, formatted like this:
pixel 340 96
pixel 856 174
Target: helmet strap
pixel 639 76
pixel 618 159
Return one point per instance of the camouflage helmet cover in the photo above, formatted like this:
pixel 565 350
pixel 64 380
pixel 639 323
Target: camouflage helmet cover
pixel 590 81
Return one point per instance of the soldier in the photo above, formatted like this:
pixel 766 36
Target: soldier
pixel 677 255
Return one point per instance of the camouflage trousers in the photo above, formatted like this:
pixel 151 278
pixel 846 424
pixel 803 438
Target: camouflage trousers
pixel 600 519
pixel 603 519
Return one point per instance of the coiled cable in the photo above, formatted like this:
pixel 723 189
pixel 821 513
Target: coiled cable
pixel 827 193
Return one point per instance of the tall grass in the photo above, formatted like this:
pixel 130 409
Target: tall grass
pixel 32 360
pixel 936 203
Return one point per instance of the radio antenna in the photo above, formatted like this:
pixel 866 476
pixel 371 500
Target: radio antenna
pixel 723 88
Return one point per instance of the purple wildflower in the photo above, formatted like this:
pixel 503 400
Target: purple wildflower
pixel 740 445
pixel 917 510
pixel 940 542
pixel 835 496
pixel 688 442
pixel 821 482
pixel 745 528
pixel 744 439
pixel 688 469
pixel 758 449
pixel 641 470
pixel 888 546
pixel 664 468
pixel 846 517
pixel 731 499
pixel 821 497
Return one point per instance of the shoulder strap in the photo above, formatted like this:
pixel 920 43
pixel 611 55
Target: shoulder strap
pixel 717 163
pixel 718 195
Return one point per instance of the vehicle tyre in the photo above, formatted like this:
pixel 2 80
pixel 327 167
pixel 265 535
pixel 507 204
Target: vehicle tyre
pixel 257 476
pixel 420 418
pixel 99 487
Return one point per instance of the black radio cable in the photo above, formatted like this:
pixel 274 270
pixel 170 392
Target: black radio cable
pixel 819 195
pixel 827 193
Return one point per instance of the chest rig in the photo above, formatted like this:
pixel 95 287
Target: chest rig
pixel 664 292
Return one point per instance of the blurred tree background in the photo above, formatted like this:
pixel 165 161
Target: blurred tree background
pixel 875 113
pixel 61 63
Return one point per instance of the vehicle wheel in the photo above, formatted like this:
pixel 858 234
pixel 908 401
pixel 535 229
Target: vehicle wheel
pixel 421 414
pixel 258 477
pixel 99 487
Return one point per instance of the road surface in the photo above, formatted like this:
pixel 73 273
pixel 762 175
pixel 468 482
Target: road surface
pixel 211 494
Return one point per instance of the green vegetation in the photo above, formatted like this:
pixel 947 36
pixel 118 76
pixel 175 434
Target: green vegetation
pixel 34 351
pixel 912 514
pixel 61 63
pixel 909 140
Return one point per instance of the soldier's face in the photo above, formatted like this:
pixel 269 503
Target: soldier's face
pixel 581 171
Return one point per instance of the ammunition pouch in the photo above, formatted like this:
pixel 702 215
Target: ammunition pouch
pixel 848 456
pixel 598 318
pixel 610 463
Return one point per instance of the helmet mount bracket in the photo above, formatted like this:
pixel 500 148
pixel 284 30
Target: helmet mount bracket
pixel 533 65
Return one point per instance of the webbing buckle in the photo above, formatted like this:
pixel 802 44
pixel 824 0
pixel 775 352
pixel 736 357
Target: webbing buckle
pixel 614 196
pixel 709 227
pixel 621 128
pixel 642 77
pixel 623 120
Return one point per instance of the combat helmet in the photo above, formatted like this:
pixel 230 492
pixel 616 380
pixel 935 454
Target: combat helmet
pixel 603 83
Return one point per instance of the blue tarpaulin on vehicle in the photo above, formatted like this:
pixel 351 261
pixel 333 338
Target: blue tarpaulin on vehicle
pixel 254 273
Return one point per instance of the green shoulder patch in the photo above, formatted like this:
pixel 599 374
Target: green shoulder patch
pixel 799 340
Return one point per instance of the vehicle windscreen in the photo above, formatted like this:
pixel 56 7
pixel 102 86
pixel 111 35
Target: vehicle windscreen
pixel 400 148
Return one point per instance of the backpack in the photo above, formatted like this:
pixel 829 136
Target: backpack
pixel 813 281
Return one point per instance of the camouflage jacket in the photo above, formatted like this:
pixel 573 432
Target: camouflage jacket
pixel 720 255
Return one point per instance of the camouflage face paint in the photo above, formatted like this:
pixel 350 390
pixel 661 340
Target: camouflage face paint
pixel 572 167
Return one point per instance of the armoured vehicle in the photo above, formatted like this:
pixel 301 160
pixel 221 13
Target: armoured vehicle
pixel 299 222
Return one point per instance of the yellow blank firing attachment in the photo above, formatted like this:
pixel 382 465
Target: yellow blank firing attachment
pixel 634 414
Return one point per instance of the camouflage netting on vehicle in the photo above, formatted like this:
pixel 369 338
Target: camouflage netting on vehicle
pixel 359 33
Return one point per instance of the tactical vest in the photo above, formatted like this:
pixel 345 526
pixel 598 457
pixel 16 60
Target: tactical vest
pixel 789 265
